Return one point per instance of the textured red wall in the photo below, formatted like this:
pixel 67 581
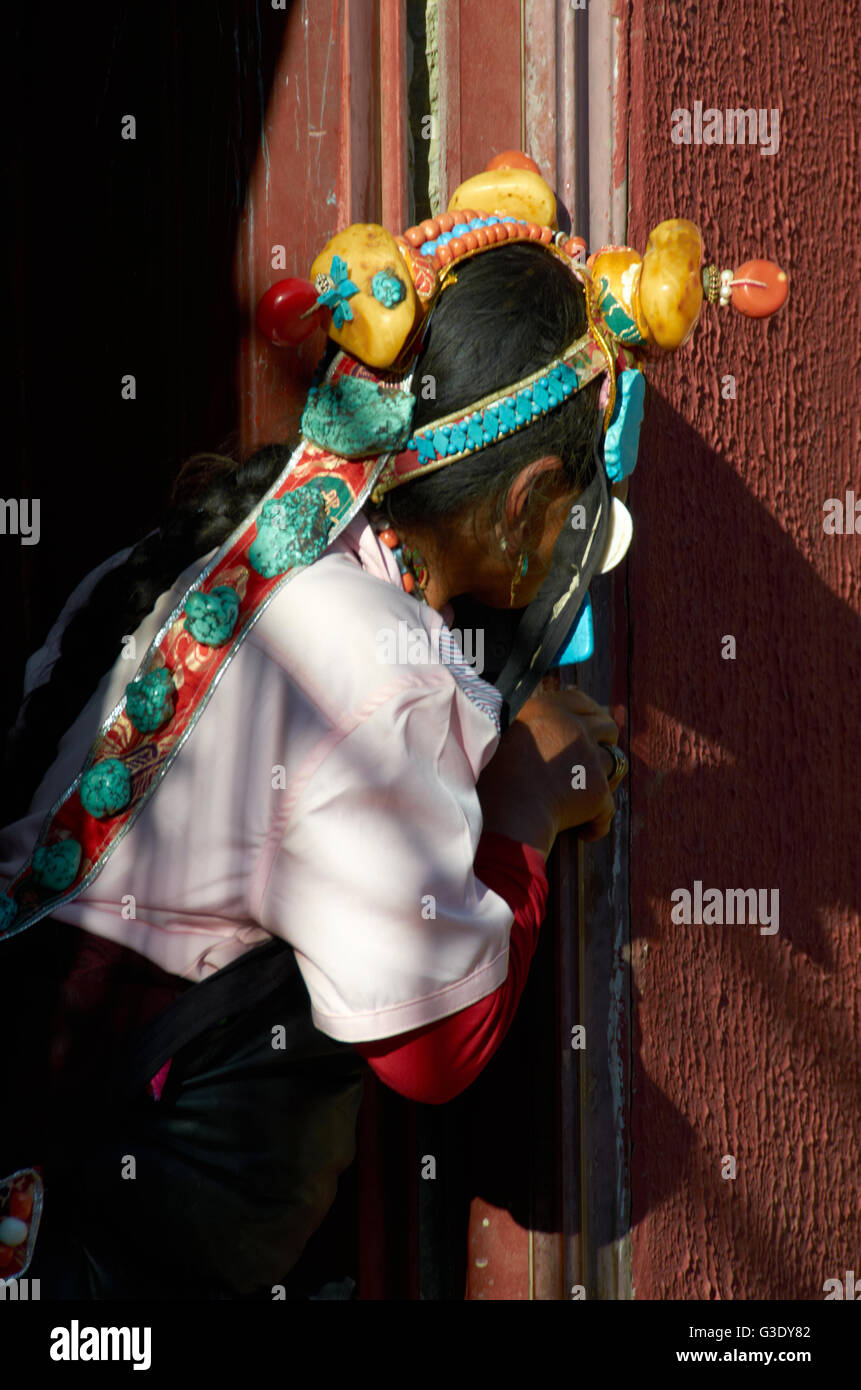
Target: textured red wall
pixel 745 771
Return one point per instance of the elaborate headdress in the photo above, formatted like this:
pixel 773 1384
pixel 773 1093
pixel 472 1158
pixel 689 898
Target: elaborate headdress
pixel 375 294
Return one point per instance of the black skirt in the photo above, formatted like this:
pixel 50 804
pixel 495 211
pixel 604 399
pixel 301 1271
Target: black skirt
pixel 210 1192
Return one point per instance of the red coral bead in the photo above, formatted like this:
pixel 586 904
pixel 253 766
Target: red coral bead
pixel 456 246
pixel 430 229
pixel 446 221
pixel 443 255
pixel 470 240
pixel 764 298
pixel 414 236
pixel 279 313
pixel 409 582
pixel 482 235
pixel 512 159
pixel 389 538
pixel 546 235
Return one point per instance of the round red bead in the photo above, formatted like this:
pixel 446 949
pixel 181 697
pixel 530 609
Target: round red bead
pixel 766 296
pixel 279 313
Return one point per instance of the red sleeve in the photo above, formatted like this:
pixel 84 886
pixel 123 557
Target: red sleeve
pixel 435 1063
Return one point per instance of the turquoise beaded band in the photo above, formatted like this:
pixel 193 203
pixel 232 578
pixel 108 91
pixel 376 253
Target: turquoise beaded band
pixel 495 417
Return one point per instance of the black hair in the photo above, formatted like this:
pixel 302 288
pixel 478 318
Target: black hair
pixel 508 314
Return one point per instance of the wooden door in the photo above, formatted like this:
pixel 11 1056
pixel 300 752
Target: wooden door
pixel 529 1196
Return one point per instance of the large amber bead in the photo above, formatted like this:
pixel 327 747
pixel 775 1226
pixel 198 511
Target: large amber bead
pixel 372 329
pixel 670 291
pixel 517 193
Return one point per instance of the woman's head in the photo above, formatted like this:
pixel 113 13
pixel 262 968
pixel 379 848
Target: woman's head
pixel 510 312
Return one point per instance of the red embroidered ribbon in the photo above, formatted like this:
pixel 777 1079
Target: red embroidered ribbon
pixel 194 668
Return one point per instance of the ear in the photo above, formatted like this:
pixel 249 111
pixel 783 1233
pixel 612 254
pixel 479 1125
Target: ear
pixel 518 494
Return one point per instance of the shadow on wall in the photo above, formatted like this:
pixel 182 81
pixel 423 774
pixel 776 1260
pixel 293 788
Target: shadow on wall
pixel 738 781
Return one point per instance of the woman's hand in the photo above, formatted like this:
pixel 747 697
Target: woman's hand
pixel 531 789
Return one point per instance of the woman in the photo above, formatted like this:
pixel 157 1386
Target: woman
pixel 345 866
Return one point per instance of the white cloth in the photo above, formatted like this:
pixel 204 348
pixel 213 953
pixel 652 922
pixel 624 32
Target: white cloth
pixel 323 797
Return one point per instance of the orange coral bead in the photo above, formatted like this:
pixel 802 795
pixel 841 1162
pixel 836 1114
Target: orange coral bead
pixel 409 582
pixel 446 221
pixel 470 240
pixel 430 229
pixel 414 236
pixel 443 255
pixel 512 159
pixel 457 246
pixel 482 236
pixel 575 247
pixel 546 235
pixel 766 296
pixel 389 538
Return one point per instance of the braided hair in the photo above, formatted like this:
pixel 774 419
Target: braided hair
pixel 508 314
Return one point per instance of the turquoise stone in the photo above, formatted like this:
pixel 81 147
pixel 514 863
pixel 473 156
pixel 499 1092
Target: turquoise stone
pixel 56 866
pixel 149 701
pixel 474 432
pixel 211 618
pixel 387 289
pixel 341 290
pixel 580 642
pixel 106 789
pixel 540 397
pixel 355 418
pixel 622 440
pixel 427 452
pixel 569 379
pixel 522 408
pixel 8 911
pixel 507 416
pixel 291 530
pixel 491 422
pixel 440 441
pixel 457 439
